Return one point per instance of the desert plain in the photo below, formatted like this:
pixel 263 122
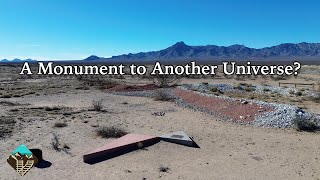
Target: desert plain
pixel 63 115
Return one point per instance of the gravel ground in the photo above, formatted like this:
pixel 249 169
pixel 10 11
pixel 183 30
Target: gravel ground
pixel 146 93
pixel 242 111
pixel 258 89
pixel 282 115
pixel 234 109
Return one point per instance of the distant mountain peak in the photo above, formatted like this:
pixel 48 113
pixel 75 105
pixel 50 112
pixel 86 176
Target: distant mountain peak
pixel 92 57
pixel 179 44
pixel 180 47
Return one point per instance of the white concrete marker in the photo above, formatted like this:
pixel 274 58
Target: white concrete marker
pixel 179 137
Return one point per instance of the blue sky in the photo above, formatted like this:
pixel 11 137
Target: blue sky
pixel 75 29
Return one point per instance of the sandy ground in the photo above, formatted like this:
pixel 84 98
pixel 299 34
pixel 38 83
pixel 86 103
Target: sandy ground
pixel 228 151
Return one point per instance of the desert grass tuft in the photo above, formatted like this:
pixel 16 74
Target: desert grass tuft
pixel 60 125
pixel 110 132
pixel 164 168
pixel 97 105
pixel 307 124
pixel 162 95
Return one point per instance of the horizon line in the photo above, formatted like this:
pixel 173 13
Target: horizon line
pixel 107 57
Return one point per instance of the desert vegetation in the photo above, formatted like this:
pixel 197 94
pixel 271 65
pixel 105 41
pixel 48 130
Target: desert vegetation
pixel 165 81
pixel 97 105
pixel 60 124
pixel 310 124
pixel 162 95
pixel 111 132
pixel 163 168
pixel 7 124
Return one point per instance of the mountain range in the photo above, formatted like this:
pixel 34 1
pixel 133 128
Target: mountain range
pixel 181 51
pixel 238 52
pixel 17 60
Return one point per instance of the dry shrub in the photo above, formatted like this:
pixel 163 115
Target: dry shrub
pixel 100 82
pixel 55 143
pixel 97 105
pixel 214 89
pixel 111 132
pixel 309 124
pixel 60 124
pixel 9 103
pixel 299 93
pixel 279 77
pixel 164 168
pixel 6 96
pixel 291 92
pixel 106 83
pixel 7 124
pixel 53 108
pixel 162 95
pixel 164 81
pixel 315 98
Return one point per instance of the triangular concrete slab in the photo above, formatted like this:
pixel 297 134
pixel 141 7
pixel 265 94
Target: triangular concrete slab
pixel 120 146
pixel 179 137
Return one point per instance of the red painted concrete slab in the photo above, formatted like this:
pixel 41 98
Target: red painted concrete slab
pixel 125 144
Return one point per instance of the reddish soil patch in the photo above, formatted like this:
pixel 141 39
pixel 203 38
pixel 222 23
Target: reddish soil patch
pixel 235 110
pixel 124 87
